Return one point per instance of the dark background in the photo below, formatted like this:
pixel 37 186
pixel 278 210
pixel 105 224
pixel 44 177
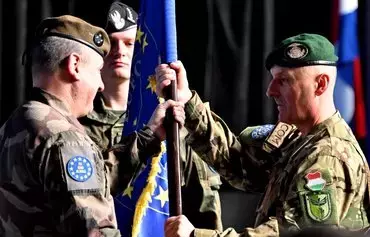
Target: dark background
pixel 222 44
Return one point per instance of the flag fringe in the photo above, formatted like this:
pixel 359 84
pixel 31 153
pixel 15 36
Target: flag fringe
pixel 145 196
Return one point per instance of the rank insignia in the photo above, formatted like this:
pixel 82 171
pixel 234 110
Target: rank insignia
pixel 315 182
pixel 79 168
pixel 262 131
pixel 318 205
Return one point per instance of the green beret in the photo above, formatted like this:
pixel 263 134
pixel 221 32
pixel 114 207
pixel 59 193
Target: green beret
pixel 303 50
pixel 120 18
pixel 76 29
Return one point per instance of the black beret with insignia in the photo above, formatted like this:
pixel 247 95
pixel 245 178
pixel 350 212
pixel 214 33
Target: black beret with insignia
pixel 303 50
pixel 76 29
pixel 120 18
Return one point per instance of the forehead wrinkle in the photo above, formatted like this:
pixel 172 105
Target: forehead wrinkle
pixel 283 72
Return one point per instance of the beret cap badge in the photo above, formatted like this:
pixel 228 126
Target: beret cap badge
pixel 117 19
pixel 98 39
pixel 296 51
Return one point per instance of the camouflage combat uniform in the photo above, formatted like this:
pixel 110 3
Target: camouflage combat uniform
pixel 318 179
pixel 53 180
pixel 201 201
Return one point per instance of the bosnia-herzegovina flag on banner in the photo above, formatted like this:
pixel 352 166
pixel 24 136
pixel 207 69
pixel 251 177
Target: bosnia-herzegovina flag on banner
pixel 348 93
pixel 143 207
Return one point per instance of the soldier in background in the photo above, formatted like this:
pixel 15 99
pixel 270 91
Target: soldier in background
pixel 201 201
pixel 319 177
pixel 53 179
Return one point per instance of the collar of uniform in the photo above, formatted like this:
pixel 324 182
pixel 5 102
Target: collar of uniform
pixel 45 97
pixel 335 118
pixel 101 113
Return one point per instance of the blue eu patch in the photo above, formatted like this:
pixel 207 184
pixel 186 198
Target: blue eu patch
pixel 79 168
pixel 262 131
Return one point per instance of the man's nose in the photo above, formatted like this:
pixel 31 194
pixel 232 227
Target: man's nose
pixel 121 48
pixel 272 89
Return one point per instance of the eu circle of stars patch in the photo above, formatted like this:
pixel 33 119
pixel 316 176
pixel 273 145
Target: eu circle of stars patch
pixel 79 168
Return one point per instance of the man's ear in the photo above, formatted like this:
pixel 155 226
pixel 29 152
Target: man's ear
pixel 73 65
pixel 322 82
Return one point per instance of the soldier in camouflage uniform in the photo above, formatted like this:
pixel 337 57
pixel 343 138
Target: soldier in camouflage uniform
pixel 316 175
pixel 201 202
pixel 53 179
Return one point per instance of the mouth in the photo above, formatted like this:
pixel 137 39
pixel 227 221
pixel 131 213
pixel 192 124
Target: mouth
pixel 119 64
pixel 279 105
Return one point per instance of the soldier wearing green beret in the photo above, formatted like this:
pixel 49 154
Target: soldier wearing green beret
pixel 201 202
pixel 53 179
pixel 311 173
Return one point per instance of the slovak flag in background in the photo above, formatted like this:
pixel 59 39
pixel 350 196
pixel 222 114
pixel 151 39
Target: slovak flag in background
pixel 348 93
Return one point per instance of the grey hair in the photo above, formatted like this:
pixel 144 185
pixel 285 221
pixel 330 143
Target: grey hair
pixel 49 53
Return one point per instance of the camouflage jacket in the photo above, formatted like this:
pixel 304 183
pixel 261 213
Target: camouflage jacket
pixel 103 125
pixel 53 180
pixel 319 179
pixel 200 198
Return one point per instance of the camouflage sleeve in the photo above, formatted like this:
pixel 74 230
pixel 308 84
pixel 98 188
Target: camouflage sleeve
pixel 126 157
pixel 270 228
pixel 200 198
pixel 75 185
pixel 328 189
pixel 239 159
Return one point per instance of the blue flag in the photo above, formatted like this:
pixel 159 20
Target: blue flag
pixel 144 206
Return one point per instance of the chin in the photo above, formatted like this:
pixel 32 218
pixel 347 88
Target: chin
pixel 122 74
pixel 283 119
pixel 88 110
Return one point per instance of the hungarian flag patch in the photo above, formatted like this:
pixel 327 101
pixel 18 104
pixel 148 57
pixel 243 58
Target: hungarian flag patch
pixel 315 182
